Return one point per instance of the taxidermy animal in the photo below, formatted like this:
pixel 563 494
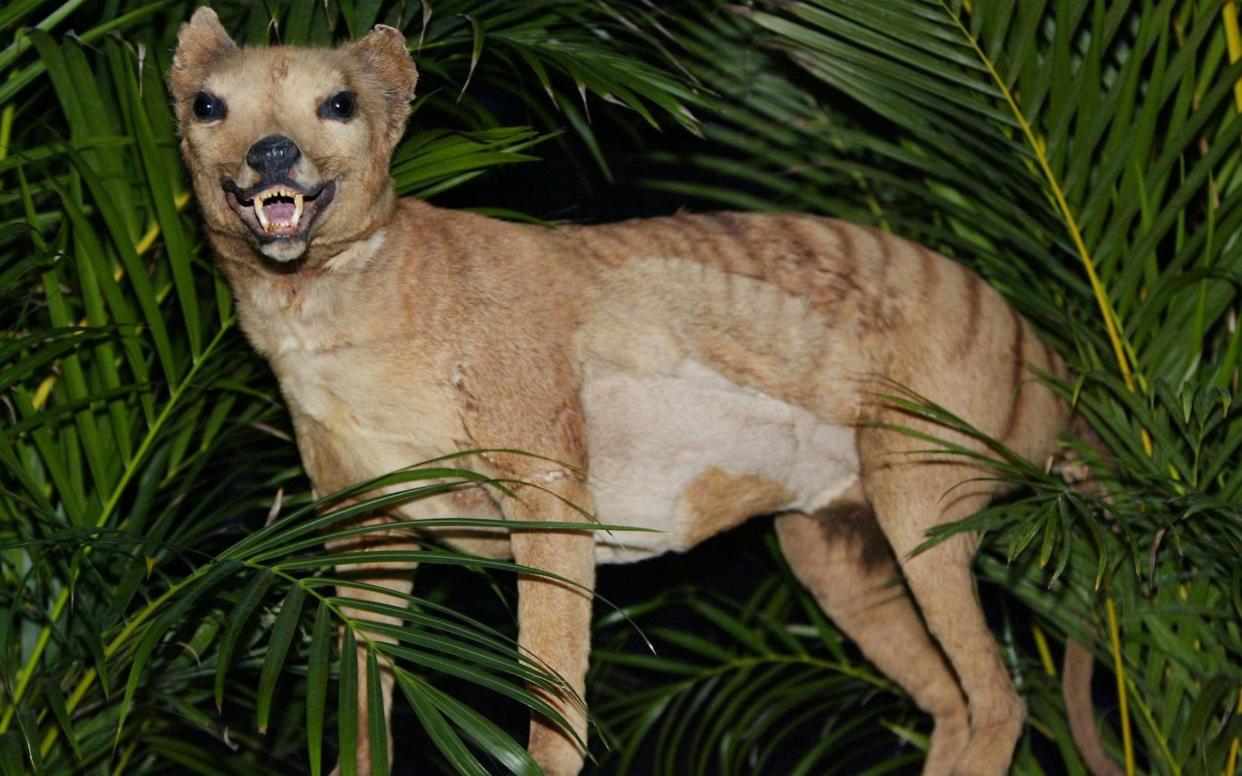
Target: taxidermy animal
pixel 691 372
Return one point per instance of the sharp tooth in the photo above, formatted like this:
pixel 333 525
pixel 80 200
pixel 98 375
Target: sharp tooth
pixel 258 211
pixel 297 210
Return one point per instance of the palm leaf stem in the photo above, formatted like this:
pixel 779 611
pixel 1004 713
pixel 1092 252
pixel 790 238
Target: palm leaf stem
pixel 1110 324
pixel 1119 668
pixel 1045 654
pixel 1039 148
pixel 1170 762
pixel 28 669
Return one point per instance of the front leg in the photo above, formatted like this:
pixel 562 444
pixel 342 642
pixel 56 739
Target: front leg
pixel 533 405
pixel 397 577
pixel 554 618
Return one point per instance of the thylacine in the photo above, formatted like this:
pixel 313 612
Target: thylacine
pixel 702 368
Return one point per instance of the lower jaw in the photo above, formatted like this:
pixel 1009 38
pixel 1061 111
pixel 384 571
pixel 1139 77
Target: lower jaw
pixel 284 249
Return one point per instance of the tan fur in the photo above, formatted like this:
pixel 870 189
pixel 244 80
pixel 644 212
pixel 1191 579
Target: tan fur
pixel 701 368
pixel 718 501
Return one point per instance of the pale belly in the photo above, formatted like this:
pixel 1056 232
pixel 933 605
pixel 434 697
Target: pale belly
pixel 687 453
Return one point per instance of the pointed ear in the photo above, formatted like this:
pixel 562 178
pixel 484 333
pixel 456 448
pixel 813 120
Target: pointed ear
pixel 201 43
pixel 385 57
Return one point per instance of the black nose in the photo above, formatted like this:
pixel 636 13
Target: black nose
pixel 273 155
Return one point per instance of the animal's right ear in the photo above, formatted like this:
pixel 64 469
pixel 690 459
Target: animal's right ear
pixel 201 43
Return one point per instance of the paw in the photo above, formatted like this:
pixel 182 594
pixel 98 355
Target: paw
pixel 948 740
pixel 556 754
pixel 990 749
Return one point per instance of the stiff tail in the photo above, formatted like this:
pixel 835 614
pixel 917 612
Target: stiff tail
pixel 1079 662
pixel 1076 673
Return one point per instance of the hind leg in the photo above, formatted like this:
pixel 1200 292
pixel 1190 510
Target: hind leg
pixel 910 497
pixel 843 560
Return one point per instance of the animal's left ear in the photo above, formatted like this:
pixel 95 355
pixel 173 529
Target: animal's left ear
pixel 383 53
pixel 201 43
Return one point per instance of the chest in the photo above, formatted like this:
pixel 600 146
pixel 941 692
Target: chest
pixel 365 399
pixel 358 416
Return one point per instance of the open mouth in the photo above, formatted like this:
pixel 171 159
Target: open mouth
pixel 279 211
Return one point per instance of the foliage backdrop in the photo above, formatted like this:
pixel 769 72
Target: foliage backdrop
pixel 166 605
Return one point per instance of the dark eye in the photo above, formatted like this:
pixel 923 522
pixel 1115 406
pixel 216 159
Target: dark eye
pixel 208 107
pixel 340 106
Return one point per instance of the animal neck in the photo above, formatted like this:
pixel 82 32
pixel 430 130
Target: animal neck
pixel 278 305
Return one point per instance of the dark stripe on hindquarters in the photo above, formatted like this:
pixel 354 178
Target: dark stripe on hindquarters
pixel 970 321
pixel 675 240
pixel 732 230
pixel 883 239
pixel 879 311
pixel 670 241
pixel 582 242
pixel 829 269
pixel 1055 365
pixel 703 241
pixel 930 266
pixel 804 252
pixel 628 248
pixel 735 231
pixel 736 245
pixel 731 223
pixel 1050 359
pixel 846 248
pixel 847 255
pixel 1016 394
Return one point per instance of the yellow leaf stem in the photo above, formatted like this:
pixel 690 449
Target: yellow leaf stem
pixel 1071 223
pixel 1119 668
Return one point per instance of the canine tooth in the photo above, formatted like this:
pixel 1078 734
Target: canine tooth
pixel 297 210
pixel 258 211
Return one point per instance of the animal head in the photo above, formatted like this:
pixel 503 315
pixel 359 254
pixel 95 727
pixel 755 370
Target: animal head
pixel 288 148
